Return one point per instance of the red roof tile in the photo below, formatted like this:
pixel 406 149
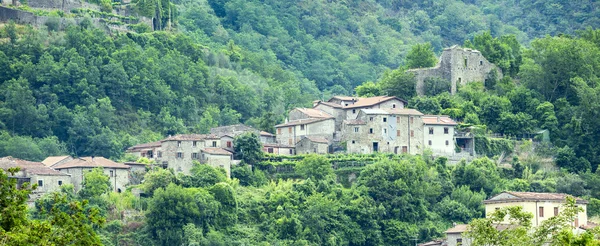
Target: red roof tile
pixel 314 113
pixel 190 137
pixel 438 120
pixel 145 146
pixel 51 160
pixel 30 167
pixel 370 101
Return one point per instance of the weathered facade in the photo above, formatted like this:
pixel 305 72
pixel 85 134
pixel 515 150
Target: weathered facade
pixel 147 150
pixel 179 151
pixel 438 133
pixel 279 149
pixel 459 66
pixel 384 130
pixel 312 145
pixel 118 173
pixel 291 132
pixel 217 157
pixel 46 178
pixel 56 160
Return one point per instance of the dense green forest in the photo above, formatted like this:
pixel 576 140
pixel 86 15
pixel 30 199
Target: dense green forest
pixel 83 92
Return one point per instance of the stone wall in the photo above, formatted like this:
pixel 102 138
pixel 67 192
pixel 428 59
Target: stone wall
pixel 27 18
pixel 64 5
pixel 457 65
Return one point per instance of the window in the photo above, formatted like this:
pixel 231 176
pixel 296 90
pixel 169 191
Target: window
pixel 394 105
pixel 346 105
pixel 354 111
pixel 446 130
pixel 412 133
pixel 459 241
pixel 270 150
pixel 398 119
pixel 112 173
pixel 447 142
pixel 459 80
pixel 466 62
pixel 384 119
pixel 302 127
pixel 194 143
pixel 229 144
pixel 398 133
pixel 41 182
pixel 497 209
pixel 279 131
pixel 385 130
pixel 480 63
pixel 370 118
pixel 353 142
pixel 178 143
pixel 194 155
pixel 412 120
pixel 179 155
pixel 576 222
pixel 430 130
pixel 371 131
pixel 60 182
pixel 289 130
pixel 541 212
pixel 429 142
pixel 290 141
pixel 355 129
pixel 214 143
pixel 291 151
pixel 555 211
pixel 159 154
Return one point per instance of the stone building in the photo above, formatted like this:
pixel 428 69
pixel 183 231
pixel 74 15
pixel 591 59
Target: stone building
pixel 439 134
pixel 279 149
pixel 292 131
pixel 217 157
pixel 56 160
pixel 179 151
pixel 118 173
pixel 312 145
pixel 46 178
pixel 147 150
pixel 384 130
pixel 459 66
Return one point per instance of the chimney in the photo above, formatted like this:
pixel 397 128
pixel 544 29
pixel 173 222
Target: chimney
pixel 438 118
pixel 92 158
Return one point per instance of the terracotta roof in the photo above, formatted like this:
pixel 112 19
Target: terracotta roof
pixel 510 196
pixel 314 113
pixel 190 137
pixel 460 228
pixel 91 162
pixel 216 151
pixel 29 167
pixel 438 120
pixel 135 163
pixel 355 122
pixel 302 121
pixel 403 111
pixel 333 105
pixel 370 101
pixel 317 139
pixel 263 133
pixel 345 98
pixel 145 145
pixel 51 160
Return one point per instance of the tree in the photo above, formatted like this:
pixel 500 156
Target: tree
pixel 157 178
pixel 203 175
pixel 420 56
pixel 436 85
pixel 314 167
pixel 248 148
pixel 368 89
pixel 95 183
pixel 398 83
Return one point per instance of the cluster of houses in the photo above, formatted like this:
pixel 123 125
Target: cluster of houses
pixel 370 124
pixel 542 206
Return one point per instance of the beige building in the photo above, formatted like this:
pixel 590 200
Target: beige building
pixel 179 151
pixel 279 149
pixel 384 130
pixel 118 173
pixel 542 205
pixel 46 178
pixel 291 132
pixel 439 134
pixel 217 157
pixel 312 145
pixel 56 160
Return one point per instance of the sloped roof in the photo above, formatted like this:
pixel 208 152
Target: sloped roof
pixel 145 145
pixel 317 139
pixel 512 196
pixel 302 121
pixel 190 137
pixel 438 120
pixel 314 113
pixel 277 145
pixel 345 98
pixel 216 151
pixel 51 160
pixel 374 111
pixel 29 167
pixel 263 133
pixel 330 104
pixel 403 111
pixel 370 101
pixel 91 162
pixel 460 228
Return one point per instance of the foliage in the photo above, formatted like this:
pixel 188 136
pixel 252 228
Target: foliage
pixel 248 148
pixel 157 178
pixel 421 56
pixel 398 83
pixel 203 175
pixel 314 167
pixel 95 183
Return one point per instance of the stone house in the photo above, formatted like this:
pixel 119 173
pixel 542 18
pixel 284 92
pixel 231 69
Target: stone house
pixel 379 102
pixel 384 130
pixel 118 173
pixel 292 131
pixel 148 150
pixel 459 66
pixel 56 160
pixel 47 179
pixel 312 145
pixel 179 151
pixel 439 134
pixel 267 137
pixel 279 149
pixel 217 157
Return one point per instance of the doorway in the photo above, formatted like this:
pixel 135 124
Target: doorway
pixel 375 146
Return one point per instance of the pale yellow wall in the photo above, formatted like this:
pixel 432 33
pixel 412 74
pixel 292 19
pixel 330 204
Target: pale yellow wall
pixel 532 207
pixel 438 139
